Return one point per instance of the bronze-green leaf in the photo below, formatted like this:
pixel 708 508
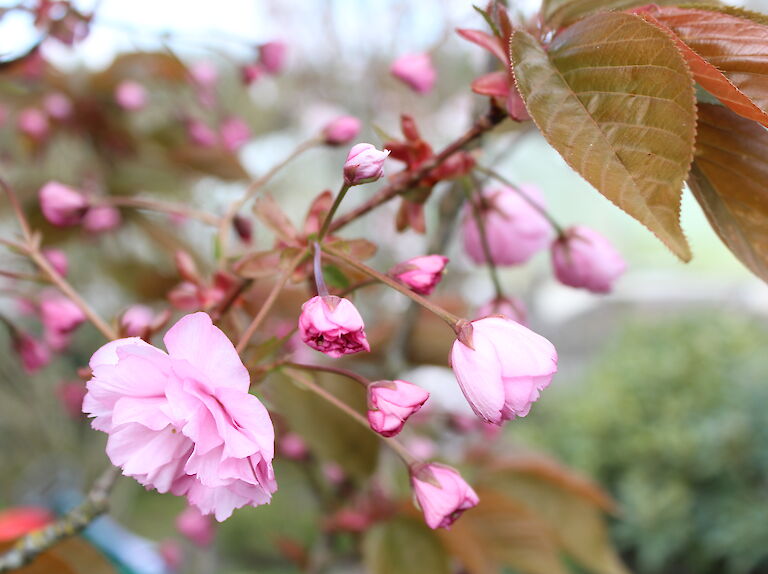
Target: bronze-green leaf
pixel 614 97
pixel 406 546
pixel 730 181
pixel 557 13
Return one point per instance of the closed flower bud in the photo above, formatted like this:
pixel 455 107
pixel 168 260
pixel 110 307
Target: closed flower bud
pixel 415 70
pixel 58 106
pixel 33 123
pixel 364 164
pixel 197 528
pixel 131 96
pixel 234 133
pixel 441 493
pixel 136 321
pixel 421 274
pixel 102 218
pixel 342 130
pixel 58 260
pixel 390 403
pixel 501 366
pixel 62 205
pixel 272 56
pixel 333 326
pixel 60 317
pixel 34 355
pixel 510 307
pixel 514 228
pixel 584 258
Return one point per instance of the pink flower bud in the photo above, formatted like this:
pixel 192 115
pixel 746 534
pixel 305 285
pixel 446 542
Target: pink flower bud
pixel 204 74
pixel 58 106
pixel 272 56
pixel 70 395
pixel 197 528
pixel 512 308
pixel 234 133
pixel 293 446
pixel 390 403
pixel 342 130
pixel 62 205
pixel 441 493
pixel 58 260
pixel 415 70
pixel 421 274
pixel 333 326
pixel 33 123
pixel 501 366
pixel 136 321
pixel 200 134
pixel 584 258
pixel 60 317
pixel 102 218
pixel 130 95
pixel 515 229
pixel 34 355
pixel 172 554
pixel 333 473
pixel 251 73
pixel 364 164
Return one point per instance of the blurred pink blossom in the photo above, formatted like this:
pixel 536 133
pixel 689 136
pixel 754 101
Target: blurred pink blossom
pixel 421 274
pixel 584 258
pixel 58 106
pixel 510 307
pixel 136 320
pixel 101 218
pixel 415 70
pixel 58 260
pixel 70 394
pixel 33 122
pixel 60 317
pixel 34 355
pixel 272 56
pixel 293 446
pixel 342 130
pixel 234 133
pixel 62 205
pixel 197 528
pixel 130 95
pixel 201 134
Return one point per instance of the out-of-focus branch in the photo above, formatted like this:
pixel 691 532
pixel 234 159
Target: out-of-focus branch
pixel 164 207
pixel 483 124
pixel 76 520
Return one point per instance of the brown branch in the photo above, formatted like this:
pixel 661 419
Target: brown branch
pixel 483 124
pixel 76 520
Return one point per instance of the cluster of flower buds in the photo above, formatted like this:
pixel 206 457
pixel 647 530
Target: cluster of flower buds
pixel 66 206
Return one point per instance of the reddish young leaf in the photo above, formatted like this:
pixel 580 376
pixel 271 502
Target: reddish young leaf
pixel 272 215
pixel 615 98
pixel 495 84
pixel 728 55
pixel 730 181
pixel 491 43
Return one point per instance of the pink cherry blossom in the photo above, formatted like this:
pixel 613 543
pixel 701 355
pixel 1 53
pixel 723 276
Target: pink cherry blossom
pixel 293 446
pixel 515 229
pixel 33 123
pixel 272 56
pixel 197 528
pixel 342 130
pixel 421 274
pixel 60 317
pixel 584 258
pixel 58 106
pixel 332 325
pixel 62 205
pixel 136 320
pixel 34 355
pixel 130 95
pixel 234 133
pixel 58 260
pixel 390 403
pixel 441 493
pixel 102 218
pixel 415 70
pixel 510 307
pixel 184 421
pixel 364 164
pixel 504 369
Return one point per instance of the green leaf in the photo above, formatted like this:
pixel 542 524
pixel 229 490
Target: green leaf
pixel 727 54
pixel 331 434
pixel 730 181
pixel 615 98
pixel 404 546
pixel 557 13
pixel 335 277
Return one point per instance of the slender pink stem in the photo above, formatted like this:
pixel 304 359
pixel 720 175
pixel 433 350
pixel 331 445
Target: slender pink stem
pixel 328 369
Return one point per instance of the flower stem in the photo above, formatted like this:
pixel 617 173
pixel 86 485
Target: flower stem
pixel 445 315
pixel 327 369
pixel 500 178
pixel 322 288
pixel 269 302
pixel 310 385
pixel 329 217
pixel 476 206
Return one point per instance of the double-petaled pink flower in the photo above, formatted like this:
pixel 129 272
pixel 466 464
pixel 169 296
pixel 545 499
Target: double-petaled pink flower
pixel 584 258
pixel 514 228
pixel 391 403
pixel 184 421
pixel 421 274
pixel 501 366
pixel 416 71
pixel 441 493
pixel 332 325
